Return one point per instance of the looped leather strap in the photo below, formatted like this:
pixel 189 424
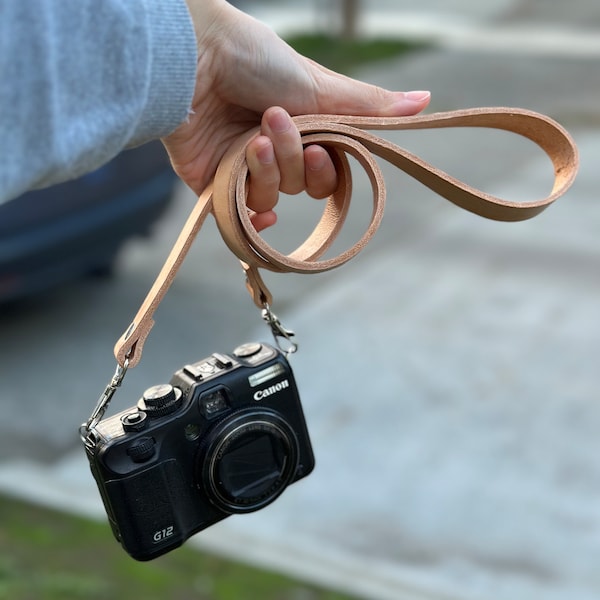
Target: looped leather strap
pixel 343 136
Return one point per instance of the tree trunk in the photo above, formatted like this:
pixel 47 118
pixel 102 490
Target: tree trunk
pixel 350 11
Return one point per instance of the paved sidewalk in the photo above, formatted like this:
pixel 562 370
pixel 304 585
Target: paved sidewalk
pixel 449 374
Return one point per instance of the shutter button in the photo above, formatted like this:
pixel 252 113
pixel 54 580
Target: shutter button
pixel 134 421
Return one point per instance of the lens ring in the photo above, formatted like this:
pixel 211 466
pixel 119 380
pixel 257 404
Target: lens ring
pixel 249 459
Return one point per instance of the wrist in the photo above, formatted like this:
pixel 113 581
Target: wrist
pixel 210 20
pixel 205 14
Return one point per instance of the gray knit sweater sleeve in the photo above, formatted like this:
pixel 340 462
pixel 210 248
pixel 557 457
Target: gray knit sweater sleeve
pixel 82 79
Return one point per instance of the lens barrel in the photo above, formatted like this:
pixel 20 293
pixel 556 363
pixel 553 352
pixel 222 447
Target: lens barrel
pixel 248 459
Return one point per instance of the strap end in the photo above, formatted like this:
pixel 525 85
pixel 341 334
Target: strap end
pixel 256 287
pixel 130 345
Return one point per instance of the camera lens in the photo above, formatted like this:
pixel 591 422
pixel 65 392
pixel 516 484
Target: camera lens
pixel 250 458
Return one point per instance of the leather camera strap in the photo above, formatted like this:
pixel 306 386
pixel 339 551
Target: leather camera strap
pixel 346 136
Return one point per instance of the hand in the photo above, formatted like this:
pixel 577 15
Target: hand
pixel 309 169
pixel 244 71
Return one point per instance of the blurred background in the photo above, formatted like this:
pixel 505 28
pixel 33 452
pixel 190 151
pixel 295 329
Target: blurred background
pixel 448 374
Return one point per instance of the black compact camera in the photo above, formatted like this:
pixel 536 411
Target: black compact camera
pixel 227 435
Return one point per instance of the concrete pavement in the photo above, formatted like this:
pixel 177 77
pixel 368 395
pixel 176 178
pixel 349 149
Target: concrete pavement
pixel 451 402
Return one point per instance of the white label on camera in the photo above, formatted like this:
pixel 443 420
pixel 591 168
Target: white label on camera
pixel 265 375
pixel 163 534
pixel 274 389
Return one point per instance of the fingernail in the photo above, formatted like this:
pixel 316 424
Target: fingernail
pixel 417 96
pixel 279 121
pixel 266 155
pixel 315 161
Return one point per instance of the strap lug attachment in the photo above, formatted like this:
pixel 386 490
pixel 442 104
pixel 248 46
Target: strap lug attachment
pixel 281 335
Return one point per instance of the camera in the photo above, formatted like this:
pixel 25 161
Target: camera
pixel 226 436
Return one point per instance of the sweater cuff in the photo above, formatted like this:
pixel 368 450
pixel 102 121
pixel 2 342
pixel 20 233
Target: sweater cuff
pixel 172 63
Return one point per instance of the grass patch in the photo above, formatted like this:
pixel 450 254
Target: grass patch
pixel 52 556
pixel 346 55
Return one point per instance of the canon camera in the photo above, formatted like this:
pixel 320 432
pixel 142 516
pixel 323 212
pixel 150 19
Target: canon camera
pixel 226 436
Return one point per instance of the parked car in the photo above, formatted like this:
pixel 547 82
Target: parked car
pixel 51 236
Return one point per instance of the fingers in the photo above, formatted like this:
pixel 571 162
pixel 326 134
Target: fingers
pixel 320 173
pixel 263 188
pixel 278 163
pixel 263 220
pixel 278 126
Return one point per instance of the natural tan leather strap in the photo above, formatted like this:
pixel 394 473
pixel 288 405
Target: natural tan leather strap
pixel 343 136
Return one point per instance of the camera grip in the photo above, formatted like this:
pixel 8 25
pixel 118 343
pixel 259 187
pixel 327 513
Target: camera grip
pixel 149 510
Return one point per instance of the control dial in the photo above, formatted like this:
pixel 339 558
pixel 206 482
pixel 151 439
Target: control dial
pixel 160 400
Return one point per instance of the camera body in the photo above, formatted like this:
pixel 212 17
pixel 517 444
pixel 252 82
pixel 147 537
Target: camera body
pixel 227 435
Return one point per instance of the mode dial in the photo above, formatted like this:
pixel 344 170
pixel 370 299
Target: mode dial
pixel 160 400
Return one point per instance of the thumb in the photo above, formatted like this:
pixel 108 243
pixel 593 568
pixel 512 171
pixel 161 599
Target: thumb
pixel 338 94
pixel 272 73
